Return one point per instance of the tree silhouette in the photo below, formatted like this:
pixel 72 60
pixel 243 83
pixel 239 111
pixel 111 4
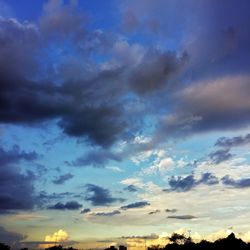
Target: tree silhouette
pixel 180 242
pixel 179 239
pixel 4 247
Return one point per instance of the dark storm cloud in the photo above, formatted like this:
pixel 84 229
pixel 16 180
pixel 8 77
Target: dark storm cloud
pixel 63 178
pixel 70 205
pixel 138 204
pixel 99 196
pixel 108 214
pixel 101 124
pixel 240 183
pixel 209 106
pixel 92 102
pixel 62 20
pixel 155 71
pixel 226 52
pixel 131 188
pixel 16 186
pixel 184 184
pixel 88 103
pixel 16 55
pixel 81 108
pixel 218 70
pixel 35 103
pixel 236 141
pixel 15 155
pixel 97 158
pixel 17 190
pixel 85 210
pixel 220 155
pixel 182 217
pixel 12 239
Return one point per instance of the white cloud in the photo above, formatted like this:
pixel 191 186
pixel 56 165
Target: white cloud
pixel 56 237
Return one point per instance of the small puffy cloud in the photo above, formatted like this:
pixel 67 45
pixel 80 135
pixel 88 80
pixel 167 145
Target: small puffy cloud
pixel 161 166
pixel 139 204
pixel 137 182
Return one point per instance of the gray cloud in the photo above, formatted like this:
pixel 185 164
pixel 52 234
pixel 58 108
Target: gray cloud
pixel 99 196
pixel 62 20
pixel 154 212
pixel 131 188
pixel 24 101
pixel 108 214
pixel 88 102
pixel 97 158
pixel 208 179
pixel 155 71
pixel 12 239
pixel 241 183
pixel 145 237
pixel 85 210
pixel 220 156
pixel 182 217
pixel 63 178
pixel 16 187
pixel 197 111
pixel 228 50
pixel 138 204
pixel 19 52
pixel 171 210
pixel 45 197
pixel 184 184
pixel 236 141
pixel 15 155
pixel 70 205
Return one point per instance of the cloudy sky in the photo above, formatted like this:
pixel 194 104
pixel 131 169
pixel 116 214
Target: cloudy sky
pixel 123 121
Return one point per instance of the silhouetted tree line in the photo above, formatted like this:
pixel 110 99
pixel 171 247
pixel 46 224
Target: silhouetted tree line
pixel 58 247
pixel 180 242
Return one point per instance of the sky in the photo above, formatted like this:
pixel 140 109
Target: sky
pixel 122 122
